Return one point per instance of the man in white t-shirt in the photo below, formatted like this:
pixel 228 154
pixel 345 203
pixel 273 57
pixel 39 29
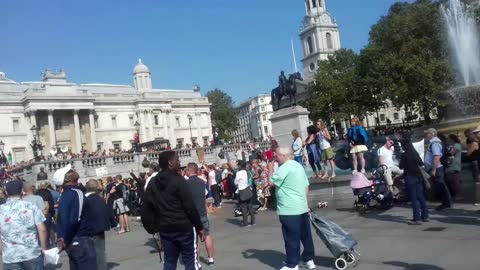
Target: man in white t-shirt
pixel 214 187
pixel 385 157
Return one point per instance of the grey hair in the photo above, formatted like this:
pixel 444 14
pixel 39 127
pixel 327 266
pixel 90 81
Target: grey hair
pixel 286 151
pixel 92 185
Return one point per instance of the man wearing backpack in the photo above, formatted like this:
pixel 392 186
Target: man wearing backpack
pixel 434 166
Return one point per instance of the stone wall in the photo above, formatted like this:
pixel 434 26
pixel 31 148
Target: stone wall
pixel 122 164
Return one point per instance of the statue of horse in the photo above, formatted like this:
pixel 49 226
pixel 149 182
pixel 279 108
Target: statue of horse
pixel 292 87
pixel 290 91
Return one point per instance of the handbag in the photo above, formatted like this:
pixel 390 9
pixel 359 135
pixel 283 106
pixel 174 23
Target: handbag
pixel 245 194
pixel 425 178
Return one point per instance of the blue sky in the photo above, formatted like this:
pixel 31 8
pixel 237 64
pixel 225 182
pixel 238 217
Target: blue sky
pixel 237 46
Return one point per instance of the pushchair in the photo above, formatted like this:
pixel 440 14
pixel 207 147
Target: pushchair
pixel 339 242
pixel 371 192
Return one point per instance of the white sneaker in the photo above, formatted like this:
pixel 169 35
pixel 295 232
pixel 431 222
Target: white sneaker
pixel 289 268
pixel 309 265
pixel 354 171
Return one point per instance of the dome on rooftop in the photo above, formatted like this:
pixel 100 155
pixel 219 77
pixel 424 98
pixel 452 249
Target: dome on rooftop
pixel 140 68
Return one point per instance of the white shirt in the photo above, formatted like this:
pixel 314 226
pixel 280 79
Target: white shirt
pixel 324 144
pixel 224 174
pixel 297 146
pixel 239 155
pixel 150 178
pixel 211 178
pixel 387 156
pixel 241 180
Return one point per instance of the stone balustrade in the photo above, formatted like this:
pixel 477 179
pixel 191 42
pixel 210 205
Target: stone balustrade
pixel 122 164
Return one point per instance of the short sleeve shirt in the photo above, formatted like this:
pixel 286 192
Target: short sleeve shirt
pixel 291 182
pixel 36 200
pixel 387 155
pixel 433 149
pixel 18 232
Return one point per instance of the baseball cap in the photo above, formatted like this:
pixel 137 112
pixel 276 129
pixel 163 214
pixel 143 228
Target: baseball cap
pixel 14 187
pixel 432 131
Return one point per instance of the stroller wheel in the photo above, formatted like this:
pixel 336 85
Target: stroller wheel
pixel 341 264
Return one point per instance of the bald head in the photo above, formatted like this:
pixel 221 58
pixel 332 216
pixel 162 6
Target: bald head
pixel 28 188
pixel 92 186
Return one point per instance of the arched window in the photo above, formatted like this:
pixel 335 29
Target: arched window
pixel 310 45
pixel 329 41
pixel 308 4
pixel 314 3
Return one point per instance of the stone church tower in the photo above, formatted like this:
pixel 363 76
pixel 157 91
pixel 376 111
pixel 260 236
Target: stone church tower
pixel 141 78
pixel 319 36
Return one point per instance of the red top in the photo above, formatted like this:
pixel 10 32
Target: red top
pixel 269 154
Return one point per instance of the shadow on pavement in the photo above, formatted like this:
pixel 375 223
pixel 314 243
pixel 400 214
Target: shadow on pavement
pixel 415 266
pixel 234 221
pixel 459 220
pixel 275 258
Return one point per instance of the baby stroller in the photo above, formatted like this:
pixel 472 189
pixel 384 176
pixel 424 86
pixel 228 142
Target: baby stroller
pixel 371 192
pixel 339 242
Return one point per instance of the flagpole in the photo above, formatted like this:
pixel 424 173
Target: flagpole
pixel 293 54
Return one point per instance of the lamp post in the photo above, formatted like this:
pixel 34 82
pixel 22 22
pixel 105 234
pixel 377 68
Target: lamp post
pixel 190 125
pixel 136 138
pixel 2 160
pixel 36 145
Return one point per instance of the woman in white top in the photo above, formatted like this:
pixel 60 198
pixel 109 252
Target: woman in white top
pixel 327 152
pixel 241 181
pixel 214 187
pixel 297 147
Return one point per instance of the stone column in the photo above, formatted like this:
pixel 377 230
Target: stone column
pixel 199 130
pixel 209 124
pixel 51 129
pixel 33 118
pixel 78 139
pixel 171 133
pixel 143 134
pixel 150 122
pixel 165 125
pixel 93 134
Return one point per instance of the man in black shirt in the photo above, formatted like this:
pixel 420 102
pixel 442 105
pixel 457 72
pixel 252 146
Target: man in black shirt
pixel 109 200
pixel 197 188
pixel 48 199
pixel 168 209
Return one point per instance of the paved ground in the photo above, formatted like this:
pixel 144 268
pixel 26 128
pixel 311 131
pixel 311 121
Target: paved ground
pixel 450 241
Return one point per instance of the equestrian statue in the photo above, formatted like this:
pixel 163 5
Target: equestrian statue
pixel 286 87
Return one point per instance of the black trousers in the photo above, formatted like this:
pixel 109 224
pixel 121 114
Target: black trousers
pixel 247 208
pixel 216 194
pixel 176 243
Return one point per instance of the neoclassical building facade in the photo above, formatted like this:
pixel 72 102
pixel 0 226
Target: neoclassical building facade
pixel 98 116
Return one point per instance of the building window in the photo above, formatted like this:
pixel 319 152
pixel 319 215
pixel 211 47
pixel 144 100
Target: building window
pixel 311 67
pixel 155 119
pixel 16 125
pixel 117 145
pixel 130 120
pixel 329 41
pixel 58 124
pixel 265 128
pixel 310 45
pixel 114 121
pixel 314 3
pixel 261 101
pixel 382 117
pixel 179 142
pixel 262 109
pixel 177 120
pixel 264 117
pixel 395 116
pixel 99 145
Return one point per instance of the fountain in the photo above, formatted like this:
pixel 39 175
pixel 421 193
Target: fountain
pixel 464 109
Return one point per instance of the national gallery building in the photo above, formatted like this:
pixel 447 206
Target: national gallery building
pixel 61 115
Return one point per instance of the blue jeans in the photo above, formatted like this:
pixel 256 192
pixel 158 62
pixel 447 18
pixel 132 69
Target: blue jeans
pixel 296 229
pixel 81 254
pixel 415 191
pixel 35 264
pixel 299 159
pixel 441 186
pixel 176 243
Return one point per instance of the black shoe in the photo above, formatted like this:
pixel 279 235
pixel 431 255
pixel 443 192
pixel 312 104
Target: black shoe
pixel 443 207
pixel 426 220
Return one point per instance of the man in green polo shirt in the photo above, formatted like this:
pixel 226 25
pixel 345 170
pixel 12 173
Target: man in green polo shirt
pixel 291 188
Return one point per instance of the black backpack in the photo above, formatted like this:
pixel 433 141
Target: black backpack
pixel 447 153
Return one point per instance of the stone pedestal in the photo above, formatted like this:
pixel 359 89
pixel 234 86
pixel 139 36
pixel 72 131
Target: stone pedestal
pixel 286 120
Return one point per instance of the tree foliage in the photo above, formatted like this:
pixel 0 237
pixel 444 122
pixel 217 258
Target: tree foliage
pixel 223 114
pixel 405 62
